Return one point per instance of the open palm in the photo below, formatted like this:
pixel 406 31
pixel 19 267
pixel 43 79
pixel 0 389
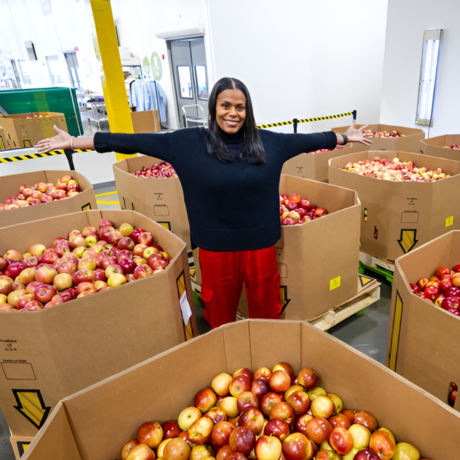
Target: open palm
pixel 61 141
pixel 358 135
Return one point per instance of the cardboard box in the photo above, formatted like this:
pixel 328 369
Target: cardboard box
pixel 397 216
pixel 146 122
pixel 2 139
pixel 436 146
pixel 409 143
pixel 24 130
pixel 20 445
pixel 162 200
pixel 95 423
pixel 9 186
pixel 423 338
pixel 50 354
pixel 315 166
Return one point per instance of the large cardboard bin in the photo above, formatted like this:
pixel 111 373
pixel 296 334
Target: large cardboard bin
pixel 436 146
pixel 423 339
pixel 2 139
pixel 26 129
pixel 50 354
pixel 9 186
pixel 409 143
pixel 162 200
pixel 315 166
pixel 95 423
pixel 397 216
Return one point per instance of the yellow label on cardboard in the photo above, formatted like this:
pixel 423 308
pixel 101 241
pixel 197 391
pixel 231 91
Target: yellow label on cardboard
pixel 27 144
pixel 335 283
pixel 2 145
pixel 450 221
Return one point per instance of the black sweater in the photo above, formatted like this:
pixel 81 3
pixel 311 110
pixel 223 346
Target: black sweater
pixel 230 206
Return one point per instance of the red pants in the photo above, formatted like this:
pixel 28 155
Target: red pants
pixel 223 274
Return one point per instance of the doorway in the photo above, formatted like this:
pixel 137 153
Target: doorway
pixel 188 62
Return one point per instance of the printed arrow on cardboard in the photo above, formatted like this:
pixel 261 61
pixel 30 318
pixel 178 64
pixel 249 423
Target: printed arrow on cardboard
pixel 408 240
pixel 284 298
pixel 32 406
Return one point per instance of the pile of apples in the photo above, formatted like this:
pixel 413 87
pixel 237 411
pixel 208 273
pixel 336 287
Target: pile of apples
pixel 80 265
pixel 157 171
pixel 384 133
pixel 394 170
pixel 453 146
pixel 339 147
pixel 269 415
pixel 295 211
pixel 66 187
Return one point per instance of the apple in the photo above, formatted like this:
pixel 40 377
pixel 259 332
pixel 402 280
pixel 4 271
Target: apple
pixel 15 269
pixel 308 378
pixel 406 451
pixel 327 455
pixel 116 279
pixel 26 298
pixel 126 229
pixel 239 384
pixel 422 282
pixel 278 428
pixel 145 238
pixel 45 293
pixel 105 232
pixel 200 430
pixel 260 388
pixel 366 454
pixel 268 448
pixel 27 275
pixel 283 411
pixel 340 420
pixel 187 417
pixel 36 249
pixel 33 305
pixel 216 414
pixel 263 373
pixel 338 404
pixel 30 288
pixel 269 401
pixel 361 436
pixel 13 297
pixel 3 299
pixel 112 269
pixel 142 271
pixel 171 429
pixel 6 285
pixel 176 449
pixel 224 453
pixel 322 406
pixel 3 264
pixel 298 447
pixel 205 400
pixel 67 295
pixel 128 265
pixel 382 442
pixel 456 279
pixel 150 433
pixel 65 265
pixel 302 422
pixel 85 287
pixel 279 381
pixel 318 430
pixel 230 406
pixel 242 440
pixel 341 440
pixel 89 231
pixel 221 433
pixel 87 264
pixel 365 418
pixel 253 419
pixel 162 445
pixel 12 255
pixel 81 276
pixel 242 371
pixel 299 401
pixel 247 400
pixel 201 452
pixel 126 243
pixel 139 249
pixel 49 256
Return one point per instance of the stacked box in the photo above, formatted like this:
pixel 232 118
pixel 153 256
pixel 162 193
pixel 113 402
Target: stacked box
pixel 49 354
pixel 98 421
pixel 398 216
pixel 439 146
pixel 9 186
pixel 423 338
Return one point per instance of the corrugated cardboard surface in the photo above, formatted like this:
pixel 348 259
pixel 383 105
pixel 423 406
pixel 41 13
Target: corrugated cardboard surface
pixel 162 200
pixel 146 122
pixel 315 166
pixel 315 256
pixel 436 146
pixel 409 143
pixel 9 186
pixel 53 353
pixel 21 131
pixel 398 216
pixel 2 139
pixel 20 445
pixel 96 422
pixel 427 352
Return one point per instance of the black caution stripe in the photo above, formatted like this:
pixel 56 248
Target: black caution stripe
pixel 35 156
pixel 306 120
pixel 273 125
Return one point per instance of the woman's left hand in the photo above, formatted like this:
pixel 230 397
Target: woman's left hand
pixel 358 135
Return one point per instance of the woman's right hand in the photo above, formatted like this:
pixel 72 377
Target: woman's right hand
pixel 61 141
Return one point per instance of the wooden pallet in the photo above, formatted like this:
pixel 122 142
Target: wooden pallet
pixel 335 316
pixel 383 267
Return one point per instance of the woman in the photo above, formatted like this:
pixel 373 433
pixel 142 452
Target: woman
pixel 230 175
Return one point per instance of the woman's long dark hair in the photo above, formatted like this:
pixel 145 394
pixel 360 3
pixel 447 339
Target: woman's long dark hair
pixel 253 149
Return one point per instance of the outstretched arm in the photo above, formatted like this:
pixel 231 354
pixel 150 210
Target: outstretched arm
pixel 62 141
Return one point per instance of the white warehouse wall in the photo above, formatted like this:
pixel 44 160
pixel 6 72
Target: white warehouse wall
pixel 303 58
pixel 403 51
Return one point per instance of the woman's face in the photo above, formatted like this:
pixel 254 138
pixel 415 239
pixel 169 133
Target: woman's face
pixel 231 110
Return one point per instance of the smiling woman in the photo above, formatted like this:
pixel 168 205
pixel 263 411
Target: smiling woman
pixel 230 176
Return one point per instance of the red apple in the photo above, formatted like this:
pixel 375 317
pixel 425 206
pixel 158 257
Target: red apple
pixel 422 282
pixel 269 401
pixel 126 243
pixel 278 428
pixel 341 440
pixel 260 388
pixel 264 373
pixel 45 293
pixel 383 444
pixel 205 400
pixel 150 433
pixel 279 381
pixel 247 400
pixel 299 401
pixel 366 454
pixel 127 448
pixel 242 440
pixel 340 420
pixel 33 305
pixel 308 378
pixel 322 406
pixel 239 384
pixel 268 448
pixel 200 430
pixel 365 418
pixel 83 276
pixel 318 430
pixel 283 411
pixel 221 433
pixel 171 429
pixel 301 423
pixel 243 371
pixel 142 271
pixel 298 447
pixel 443 271
pixel 216 414
pixel 45 274
pixel 145 238
pixel 253 419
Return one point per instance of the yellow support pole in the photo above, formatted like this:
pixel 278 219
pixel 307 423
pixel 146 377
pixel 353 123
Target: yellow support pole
pixel 113 82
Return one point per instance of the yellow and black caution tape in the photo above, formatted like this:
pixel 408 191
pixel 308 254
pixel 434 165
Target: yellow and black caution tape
pixel 34 156
pixel 306 120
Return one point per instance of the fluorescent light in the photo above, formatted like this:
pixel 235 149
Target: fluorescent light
pixel 428 71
